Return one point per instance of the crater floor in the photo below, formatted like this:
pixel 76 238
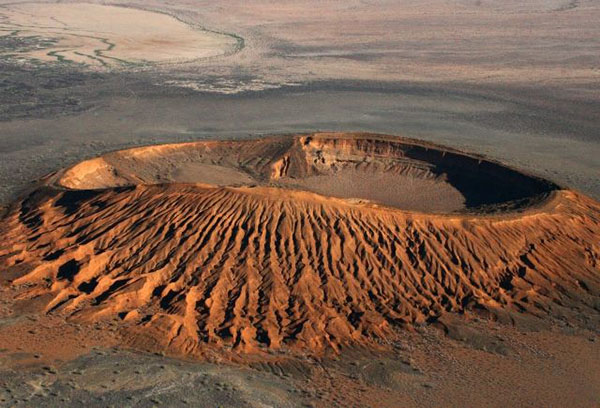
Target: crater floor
pixel 380 169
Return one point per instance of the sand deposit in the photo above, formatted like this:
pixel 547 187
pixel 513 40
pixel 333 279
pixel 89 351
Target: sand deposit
pixel 107 36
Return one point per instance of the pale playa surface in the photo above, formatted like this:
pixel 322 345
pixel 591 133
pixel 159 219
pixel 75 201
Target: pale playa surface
pixel 539 41
pixel 109 36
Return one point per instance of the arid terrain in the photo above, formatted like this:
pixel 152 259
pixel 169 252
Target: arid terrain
pixel 281 204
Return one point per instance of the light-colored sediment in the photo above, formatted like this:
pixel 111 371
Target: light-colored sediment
pixel 257 263
pixel 108 36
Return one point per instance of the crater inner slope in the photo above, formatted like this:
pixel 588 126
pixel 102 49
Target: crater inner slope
pixel 385 170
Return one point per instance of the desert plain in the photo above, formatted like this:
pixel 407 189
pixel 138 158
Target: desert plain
pixel 274 203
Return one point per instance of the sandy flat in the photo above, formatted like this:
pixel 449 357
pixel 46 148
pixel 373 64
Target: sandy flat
pixel 110 36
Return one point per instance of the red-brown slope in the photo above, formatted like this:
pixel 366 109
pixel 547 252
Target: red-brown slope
pixel 190 266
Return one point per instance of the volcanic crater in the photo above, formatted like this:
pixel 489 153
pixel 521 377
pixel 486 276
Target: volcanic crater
pixel 305 243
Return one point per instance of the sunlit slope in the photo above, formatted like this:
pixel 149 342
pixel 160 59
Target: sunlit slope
pixel 262 264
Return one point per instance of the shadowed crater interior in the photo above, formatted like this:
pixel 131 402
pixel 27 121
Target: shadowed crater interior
pixel 384 170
